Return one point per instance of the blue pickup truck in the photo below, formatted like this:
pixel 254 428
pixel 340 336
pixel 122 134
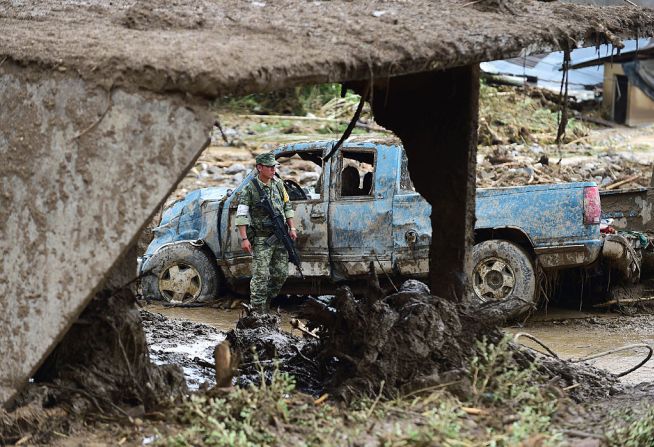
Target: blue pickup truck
pixel 374 215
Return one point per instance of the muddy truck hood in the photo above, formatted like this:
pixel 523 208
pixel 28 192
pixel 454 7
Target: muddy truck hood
pixel 184 220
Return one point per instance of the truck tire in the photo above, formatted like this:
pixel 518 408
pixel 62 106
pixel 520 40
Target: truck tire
pixel 181 273
pixel 503 276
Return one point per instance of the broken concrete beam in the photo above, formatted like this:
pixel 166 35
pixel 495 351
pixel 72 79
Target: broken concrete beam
pixel 82 170
pixel 435 115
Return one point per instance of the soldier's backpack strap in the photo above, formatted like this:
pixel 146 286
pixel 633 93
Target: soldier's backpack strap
pixel 278 184
pixel 282 190
pixel 259 192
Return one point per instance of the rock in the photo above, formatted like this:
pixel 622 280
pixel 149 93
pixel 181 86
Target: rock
pixel 309 177
pixel 235 168
pixel 415 286
pixel 237 179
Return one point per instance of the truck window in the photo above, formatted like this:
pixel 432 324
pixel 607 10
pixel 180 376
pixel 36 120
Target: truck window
pixel 302 174
pixel 356 177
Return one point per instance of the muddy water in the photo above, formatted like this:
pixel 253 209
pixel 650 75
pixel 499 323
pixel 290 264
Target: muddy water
pixel 187 337
pixel 573 335
pixel 222 319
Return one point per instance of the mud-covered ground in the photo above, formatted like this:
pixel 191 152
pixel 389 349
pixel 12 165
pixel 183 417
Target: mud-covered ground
pixel 523 154
pixel 187 337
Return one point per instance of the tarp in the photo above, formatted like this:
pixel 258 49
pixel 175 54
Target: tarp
pixel 641 74
pixel 544 70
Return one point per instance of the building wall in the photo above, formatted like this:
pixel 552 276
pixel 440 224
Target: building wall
pixel 640 108
pixel 610 72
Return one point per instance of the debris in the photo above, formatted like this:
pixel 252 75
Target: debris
pixel 473 411
pixel 226 364
pixel 622 182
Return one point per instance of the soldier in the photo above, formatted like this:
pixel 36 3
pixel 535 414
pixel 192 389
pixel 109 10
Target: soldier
pixel 270 263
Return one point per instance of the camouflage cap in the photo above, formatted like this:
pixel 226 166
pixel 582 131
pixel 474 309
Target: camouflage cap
pixel 267 159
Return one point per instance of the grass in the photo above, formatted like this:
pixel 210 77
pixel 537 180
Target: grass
pixel 521 394
pixel 293 101
pixel 634 429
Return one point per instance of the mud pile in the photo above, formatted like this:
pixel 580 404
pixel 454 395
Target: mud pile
pixel 262 347
pixel 100 370
pixel 407 340
pixel 392 345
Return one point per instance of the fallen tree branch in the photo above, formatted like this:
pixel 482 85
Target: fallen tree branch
pixel 358 124
pixel 622 182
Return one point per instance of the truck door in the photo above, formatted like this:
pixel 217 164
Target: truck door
pixel 310 200
pixel 360 211
pixel 308 194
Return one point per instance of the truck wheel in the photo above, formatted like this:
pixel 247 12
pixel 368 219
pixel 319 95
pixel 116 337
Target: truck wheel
pixel 181 273
pixel 503 276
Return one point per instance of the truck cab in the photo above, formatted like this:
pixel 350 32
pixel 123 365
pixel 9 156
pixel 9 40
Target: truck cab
pixel 359 209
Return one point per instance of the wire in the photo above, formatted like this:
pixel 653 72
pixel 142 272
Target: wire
pixel 591 356
pixel 613 351
pixel 353 122
pixel 532 338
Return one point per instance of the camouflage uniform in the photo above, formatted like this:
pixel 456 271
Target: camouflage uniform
pixel 270 263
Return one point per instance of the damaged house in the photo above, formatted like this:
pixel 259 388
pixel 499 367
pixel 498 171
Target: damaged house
pixel 628 85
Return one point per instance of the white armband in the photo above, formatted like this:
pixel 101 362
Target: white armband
pixel 243 210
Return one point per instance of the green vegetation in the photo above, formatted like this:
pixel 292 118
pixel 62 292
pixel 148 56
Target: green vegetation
pixel 293 101
pixel 246 417
pixel 634 430
pixel 506 406
pixel 521 394
pixel 506 114
pixel 509 115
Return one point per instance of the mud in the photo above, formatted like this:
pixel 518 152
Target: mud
pixel 212 49
pixel 263 348
pixel 408 340
pixel 187 337
pixel 103 361
pixel 100 370
pixel 184 343
pixel 404 340
pixel 362 342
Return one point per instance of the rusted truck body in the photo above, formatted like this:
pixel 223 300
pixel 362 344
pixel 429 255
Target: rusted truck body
pixel 380 221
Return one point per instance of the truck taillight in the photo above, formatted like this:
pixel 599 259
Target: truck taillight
pixel 592 206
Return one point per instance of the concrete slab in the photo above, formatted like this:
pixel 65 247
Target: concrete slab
pixel 82 168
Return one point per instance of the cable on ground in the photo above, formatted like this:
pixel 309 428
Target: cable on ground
pixel 591 356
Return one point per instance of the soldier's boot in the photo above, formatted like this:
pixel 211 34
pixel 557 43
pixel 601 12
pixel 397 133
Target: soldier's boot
pixel 259 309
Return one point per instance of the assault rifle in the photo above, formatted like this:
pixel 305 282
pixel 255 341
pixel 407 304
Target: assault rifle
pixel 279 228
